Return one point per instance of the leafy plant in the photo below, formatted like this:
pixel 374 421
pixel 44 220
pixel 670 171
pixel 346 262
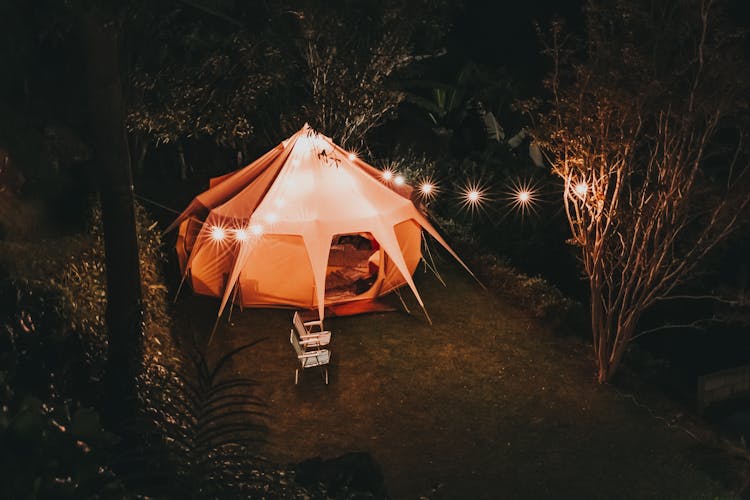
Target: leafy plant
pixel 210 424
pixel 52 444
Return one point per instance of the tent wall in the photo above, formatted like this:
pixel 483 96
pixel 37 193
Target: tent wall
pixel 409 236
pixel 278 272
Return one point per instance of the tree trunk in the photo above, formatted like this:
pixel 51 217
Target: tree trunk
pixel 124 307
pixel 183 164
pixel 138 145
pixel 611 335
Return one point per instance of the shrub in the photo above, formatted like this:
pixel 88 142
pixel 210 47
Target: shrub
pixel 544 300
pixel 72 268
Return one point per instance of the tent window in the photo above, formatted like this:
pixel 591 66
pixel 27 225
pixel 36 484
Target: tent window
pixel 353 265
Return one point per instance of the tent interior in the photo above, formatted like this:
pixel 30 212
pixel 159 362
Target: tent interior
pixel 353 265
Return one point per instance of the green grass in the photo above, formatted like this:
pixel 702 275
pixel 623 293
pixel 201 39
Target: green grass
pixel 485 403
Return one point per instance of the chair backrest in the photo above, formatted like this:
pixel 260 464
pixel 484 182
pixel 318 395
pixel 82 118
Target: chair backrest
pixel 295 342
pixel 297 320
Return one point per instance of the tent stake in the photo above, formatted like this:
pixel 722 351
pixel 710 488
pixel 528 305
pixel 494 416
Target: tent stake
pixel 424 310
pixel 398 293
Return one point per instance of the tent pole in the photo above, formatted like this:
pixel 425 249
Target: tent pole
pixel 182 282
pixel 231 305
pixel 213 330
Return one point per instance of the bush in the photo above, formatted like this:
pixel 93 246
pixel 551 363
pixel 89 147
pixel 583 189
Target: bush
pixel 72 269
pixel 53 348
pixel 51 442
pixel 544 300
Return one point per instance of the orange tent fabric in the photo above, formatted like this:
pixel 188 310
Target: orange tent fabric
pixel 306 225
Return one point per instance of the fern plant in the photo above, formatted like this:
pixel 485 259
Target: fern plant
pixel 208 427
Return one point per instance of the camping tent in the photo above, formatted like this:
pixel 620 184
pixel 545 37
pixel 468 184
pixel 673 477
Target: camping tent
pixel 306 225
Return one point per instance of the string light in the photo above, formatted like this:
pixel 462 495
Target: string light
pixel 352 156
pixel 387 174
pixel 427 189
pixel 218 233
pixel 399 180
pixel 256 229
pixel 473 196
pixel 523 197
pixel 241 234
pixel 582 189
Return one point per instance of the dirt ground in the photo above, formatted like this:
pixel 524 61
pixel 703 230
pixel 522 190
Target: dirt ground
pixel 483 403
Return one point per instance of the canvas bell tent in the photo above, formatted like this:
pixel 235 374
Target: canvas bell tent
pixel 307 225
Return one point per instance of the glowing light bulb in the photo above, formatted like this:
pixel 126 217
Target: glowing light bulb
pixel 582 188
pixel 523 196
pixel 399 180
pixel 352 156
pixel 387 174
pixel 256 229
pixel 241 234
pixel 427 188
pixel 218 233
pixel 472 196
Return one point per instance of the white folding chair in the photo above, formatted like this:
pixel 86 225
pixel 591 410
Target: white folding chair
pixel 309 359
pixel 308 337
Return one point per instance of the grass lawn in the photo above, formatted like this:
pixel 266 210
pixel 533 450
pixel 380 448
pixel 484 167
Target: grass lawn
pixel 485 403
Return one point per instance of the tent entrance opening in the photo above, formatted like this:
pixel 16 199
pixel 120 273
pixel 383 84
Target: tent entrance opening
pixel 353 265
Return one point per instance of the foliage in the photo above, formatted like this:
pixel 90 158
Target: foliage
pixel 446 104
pixel 238 71
pixel 648 140
pixel 350 54
pixel 208 425
pixel 203 81
pixel 72 269
pixel 201 425
pixel 51 442
pixel 530 237
pixel 542 299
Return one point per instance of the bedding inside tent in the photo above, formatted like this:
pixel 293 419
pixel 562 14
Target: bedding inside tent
pixel 353 265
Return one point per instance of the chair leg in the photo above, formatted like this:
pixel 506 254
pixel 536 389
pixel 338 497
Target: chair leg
pixel 296 376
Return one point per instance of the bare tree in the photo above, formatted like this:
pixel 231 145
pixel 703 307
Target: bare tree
pixel 645 133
